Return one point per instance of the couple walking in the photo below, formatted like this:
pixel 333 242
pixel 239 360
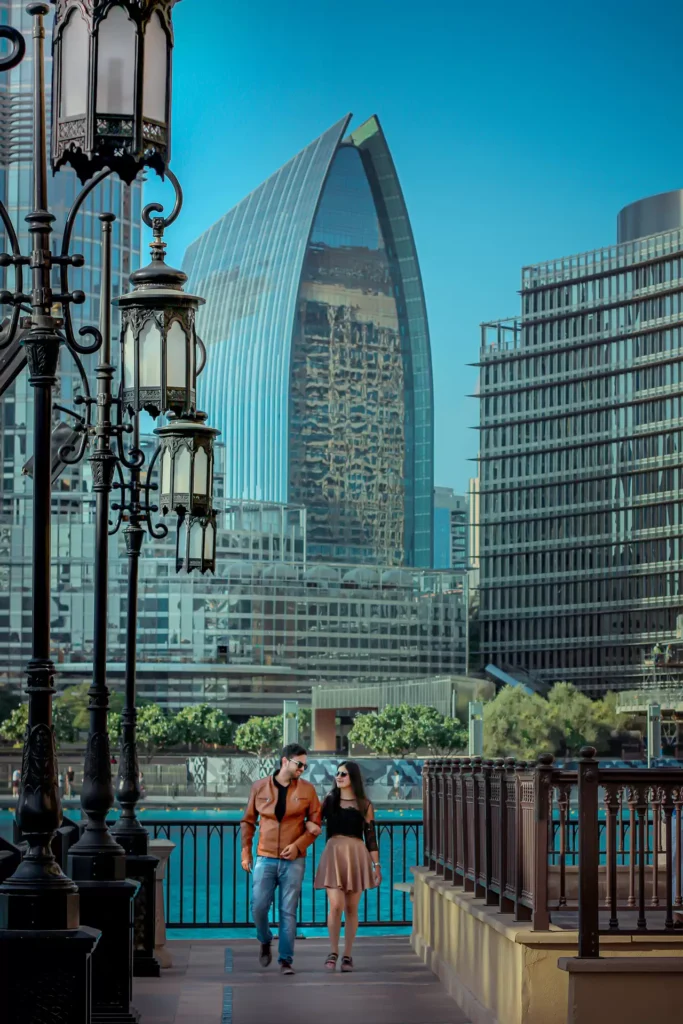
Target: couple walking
pixel 290 817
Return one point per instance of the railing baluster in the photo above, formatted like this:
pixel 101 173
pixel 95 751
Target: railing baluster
pixel 589 855
pixel 678 808
pixel 656 826
pixel 612 806
pixel 641 810
pixel 667 803
pixel 632 842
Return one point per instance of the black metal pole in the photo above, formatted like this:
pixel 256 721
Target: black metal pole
pixel 97 797
pixel 39 812
pixel 128 830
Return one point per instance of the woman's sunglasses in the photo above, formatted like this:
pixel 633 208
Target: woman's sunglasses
pixel 342 775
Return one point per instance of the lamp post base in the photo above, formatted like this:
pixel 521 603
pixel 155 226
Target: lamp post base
pixel 45 975
pixel 108 906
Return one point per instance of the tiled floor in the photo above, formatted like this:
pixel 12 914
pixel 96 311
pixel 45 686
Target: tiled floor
pixel 208 986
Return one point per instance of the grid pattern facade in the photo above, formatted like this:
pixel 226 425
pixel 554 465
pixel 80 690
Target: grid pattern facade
pixel 451 530
pixel 257 632
pixel 319 369
pixel 581 463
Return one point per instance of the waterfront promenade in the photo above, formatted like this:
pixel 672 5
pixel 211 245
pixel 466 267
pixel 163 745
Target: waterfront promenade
pixel 220 982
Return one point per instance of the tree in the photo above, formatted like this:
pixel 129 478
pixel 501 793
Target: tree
pixel 398 730
pixel 517 724
pixel 576 720
pixel 260 736
pixel 63 722
pixel 305 725
pixel 201 724
pixel 114 729
pixel 14 727
pixel 8 702
pixel 74 702
pixel 154 729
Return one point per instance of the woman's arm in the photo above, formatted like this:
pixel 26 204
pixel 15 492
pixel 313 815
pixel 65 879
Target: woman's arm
pixel 371 841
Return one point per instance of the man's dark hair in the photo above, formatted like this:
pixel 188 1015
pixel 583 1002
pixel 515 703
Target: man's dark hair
pixel 292 750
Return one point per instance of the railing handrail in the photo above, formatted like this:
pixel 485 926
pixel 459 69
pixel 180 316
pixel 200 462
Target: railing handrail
pixel 510 836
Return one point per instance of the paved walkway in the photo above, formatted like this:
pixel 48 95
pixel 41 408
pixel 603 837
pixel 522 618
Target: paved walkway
pixel 215 982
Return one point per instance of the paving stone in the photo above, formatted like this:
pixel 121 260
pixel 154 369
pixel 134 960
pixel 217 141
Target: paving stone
pixel 388 986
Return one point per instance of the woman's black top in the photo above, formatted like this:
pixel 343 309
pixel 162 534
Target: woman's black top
pixel 348 821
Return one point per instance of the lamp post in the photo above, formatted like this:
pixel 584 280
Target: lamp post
pixel 111 113
pixel 159 368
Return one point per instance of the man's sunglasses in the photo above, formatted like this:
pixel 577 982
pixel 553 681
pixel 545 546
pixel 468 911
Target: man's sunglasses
pixel 342 775
pixel 301 765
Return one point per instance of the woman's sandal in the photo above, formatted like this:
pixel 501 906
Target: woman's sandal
pixel 331 962
pixel 346 964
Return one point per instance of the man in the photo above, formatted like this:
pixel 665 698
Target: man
pixel 284 802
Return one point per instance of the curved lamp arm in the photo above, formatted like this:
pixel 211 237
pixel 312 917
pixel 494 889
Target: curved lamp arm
pixel 160 530
pixel 161 223
pixel 77 261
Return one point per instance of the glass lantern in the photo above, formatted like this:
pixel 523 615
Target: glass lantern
pixel 159 340
pixel 186 459
pixel 111 86
pixel 196 543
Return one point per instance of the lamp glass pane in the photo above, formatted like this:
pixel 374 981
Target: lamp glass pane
pixel 150 355
pixel 183 462
pixel 116 64
pixel 182 540
pixel 129 358
pixel 75 46
pixel 176 355
pixel 166 473
pixel 196 540
pixel 208 543
pixel 201 472
pixel 155 71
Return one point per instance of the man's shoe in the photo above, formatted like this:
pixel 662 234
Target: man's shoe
pixel 286 968
pixel 265 956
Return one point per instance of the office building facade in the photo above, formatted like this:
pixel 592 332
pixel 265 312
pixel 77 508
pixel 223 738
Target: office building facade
pixel 262 629
pixel 581 463
pixel 451 530
pixel 319 368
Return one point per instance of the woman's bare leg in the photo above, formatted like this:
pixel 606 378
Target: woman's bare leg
pixel 335 898
pixel 351 901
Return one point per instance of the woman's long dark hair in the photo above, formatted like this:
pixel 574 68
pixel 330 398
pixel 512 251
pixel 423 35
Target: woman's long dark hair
pixel 357 785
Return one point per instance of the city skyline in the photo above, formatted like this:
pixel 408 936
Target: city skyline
pixel 492 174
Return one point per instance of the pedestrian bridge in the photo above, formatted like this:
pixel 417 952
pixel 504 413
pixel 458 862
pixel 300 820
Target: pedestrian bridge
pixel 220 982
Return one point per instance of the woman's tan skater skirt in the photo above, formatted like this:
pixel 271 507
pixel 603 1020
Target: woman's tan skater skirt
pixel 346 865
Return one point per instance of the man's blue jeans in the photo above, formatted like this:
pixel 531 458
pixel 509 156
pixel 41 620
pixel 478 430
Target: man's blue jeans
pixel 271 873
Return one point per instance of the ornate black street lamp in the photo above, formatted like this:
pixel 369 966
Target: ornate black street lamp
pixel 112 86
pixel 43 951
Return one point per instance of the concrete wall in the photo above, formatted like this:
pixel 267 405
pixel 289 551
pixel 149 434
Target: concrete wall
pixel 617 989
pixel 500 972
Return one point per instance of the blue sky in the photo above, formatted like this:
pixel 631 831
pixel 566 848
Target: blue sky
pixel 518 131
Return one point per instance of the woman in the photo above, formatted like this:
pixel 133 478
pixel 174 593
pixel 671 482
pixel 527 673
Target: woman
pixel 350 855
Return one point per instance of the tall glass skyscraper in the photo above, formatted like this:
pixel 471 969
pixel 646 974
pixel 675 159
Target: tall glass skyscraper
pixel 319 367
pixel 73 541
pixel 581 463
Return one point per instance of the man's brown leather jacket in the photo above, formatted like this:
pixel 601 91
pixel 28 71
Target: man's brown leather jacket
pixel 302 805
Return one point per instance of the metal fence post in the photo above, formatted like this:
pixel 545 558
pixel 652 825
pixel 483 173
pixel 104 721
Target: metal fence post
pixel 589 854
pixel 543 781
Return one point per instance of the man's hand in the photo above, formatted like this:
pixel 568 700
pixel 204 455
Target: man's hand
pixel 290 852
pixel 247 861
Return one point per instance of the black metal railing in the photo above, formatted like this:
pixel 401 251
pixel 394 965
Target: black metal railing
pixel 205 886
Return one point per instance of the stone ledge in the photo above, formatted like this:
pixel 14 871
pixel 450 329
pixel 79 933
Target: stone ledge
pixel 622 965
pixel 523 934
